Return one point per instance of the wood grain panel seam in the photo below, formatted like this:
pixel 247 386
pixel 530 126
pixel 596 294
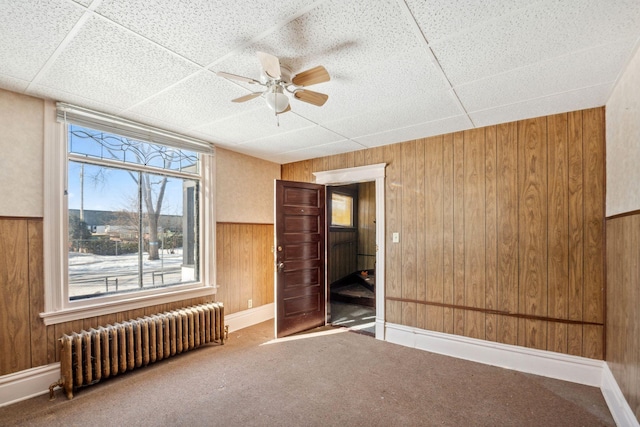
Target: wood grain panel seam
pixel 498 312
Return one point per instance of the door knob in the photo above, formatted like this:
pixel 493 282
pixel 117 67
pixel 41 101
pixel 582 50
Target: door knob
pixel 280 266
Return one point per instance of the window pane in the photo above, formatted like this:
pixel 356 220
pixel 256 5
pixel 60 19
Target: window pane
pixel 130 230
pixel 341 210
pixel 102 145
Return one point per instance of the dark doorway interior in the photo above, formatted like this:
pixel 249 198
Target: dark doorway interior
pixel 351 255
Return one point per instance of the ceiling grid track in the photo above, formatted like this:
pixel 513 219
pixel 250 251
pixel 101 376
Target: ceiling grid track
pixel 423 39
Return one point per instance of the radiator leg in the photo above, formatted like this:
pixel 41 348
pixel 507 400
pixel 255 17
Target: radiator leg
pixel 58 383
pixel 226 334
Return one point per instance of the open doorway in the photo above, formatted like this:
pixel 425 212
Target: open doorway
pixel 351 256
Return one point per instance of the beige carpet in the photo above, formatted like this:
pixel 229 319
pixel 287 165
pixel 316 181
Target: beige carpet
pixel 326 378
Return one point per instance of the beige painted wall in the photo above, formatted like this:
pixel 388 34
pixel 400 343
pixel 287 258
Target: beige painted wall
pixel 244 188
pixel 21 162
pixel 623 142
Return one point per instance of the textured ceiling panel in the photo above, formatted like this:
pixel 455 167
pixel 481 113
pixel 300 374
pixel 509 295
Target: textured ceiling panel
pixel 263 123
pixel 570 72
pixel 202 98
pixel 400 69
pixel 398 114
pixel 290 141
pixel 442 18
pixel 422 130
pixel 13 84
pixel 30 31
pixel 107 63
pixel 201 30
pixel 541 31
pixel 570 101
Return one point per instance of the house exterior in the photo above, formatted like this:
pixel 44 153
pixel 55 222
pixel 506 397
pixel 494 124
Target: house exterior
pixel 523 234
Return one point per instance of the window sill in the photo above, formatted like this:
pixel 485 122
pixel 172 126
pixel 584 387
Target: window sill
pixel 99 309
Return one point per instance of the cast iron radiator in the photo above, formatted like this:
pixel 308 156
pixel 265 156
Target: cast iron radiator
pixel 89 356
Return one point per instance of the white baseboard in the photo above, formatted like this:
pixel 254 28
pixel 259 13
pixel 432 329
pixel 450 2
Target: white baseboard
pixel 618 405
pixel 253 316
pixel 576 369
pixel 28 383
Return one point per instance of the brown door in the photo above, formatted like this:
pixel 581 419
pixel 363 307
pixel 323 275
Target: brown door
pixel 300 234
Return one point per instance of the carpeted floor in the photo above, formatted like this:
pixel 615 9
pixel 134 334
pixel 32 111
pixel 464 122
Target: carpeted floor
pixel 329 377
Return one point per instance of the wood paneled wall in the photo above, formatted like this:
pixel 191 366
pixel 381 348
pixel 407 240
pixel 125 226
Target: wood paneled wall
pixel 501 231
pixel 366 226
pixel 25 341
pixel 623 305
pixel 342 254
pixel 244 268
pixel 245 265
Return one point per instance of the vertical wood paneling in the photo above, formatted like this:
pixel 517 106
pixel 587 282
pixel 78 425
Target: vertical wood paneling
pixel 38 330
pixel 366 225
pixel 408 232
pixel 532 230
pixel 474 232
pixel 491 234
pixel 593 134
pixel 434 231
pixel 448 244
pixel 244 265
pixel 458 232
pixel 14 287
pixel 247 263
pixel 623 300
pixel 558 231
pixel 421 232
pixel 576 227
pixel 508 243
pixel 393 218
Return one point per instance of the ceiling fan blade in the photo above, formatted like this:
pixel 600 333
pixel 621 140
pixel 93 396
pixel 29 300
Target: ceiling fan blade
pixel 270 64
pixel 247 97
pixel 235 77
pixel 311 97
pixel 285 110
pixel 311 76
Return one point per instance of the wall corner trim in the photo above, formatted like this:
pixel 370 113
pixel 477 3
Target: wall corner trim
pixel 618 405
pixel 28 383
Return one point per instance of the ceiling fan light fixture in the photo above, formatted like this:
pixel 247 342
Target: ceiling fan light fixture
pixel 276 99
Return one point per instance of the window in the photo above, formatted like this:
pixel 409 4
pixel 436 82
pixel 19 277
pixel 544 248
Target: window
pixel 136 226
pixel 342 207
pixel 131 226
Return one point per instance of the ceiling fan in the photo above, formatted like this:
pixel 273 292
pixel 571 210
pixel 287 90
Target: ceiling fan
pixel 277 81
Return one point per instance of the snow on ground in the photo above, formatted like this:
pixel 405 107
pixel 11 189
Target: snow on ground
pixel 95 274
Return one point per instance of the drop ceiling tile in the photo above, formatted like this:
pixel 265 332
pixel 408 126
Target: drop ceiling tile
pixel 586 68
pixel 31 32
pixel 420 130
pixel 294 140
pixel 198 100
pixel 542 31
pixel 396 115
pixel 344 146
pixel 84 2
pixel 71 98
pixel 580 99
pixel 441 18
pixel 201 30
pixel 256 123
pixel 13 84
pixel 113 66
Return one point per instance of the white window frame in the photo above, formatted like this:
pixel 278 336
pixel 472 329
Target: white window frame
pixel 58 308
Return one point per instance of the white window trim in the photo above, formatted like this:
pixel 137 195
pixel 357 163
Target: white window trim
pixel 56 308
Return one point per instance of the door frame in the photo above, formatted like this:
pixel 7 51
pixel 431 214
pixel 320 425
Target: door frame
pixel 365 174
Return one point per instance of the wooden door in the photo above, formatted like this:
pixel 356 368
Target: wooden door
pixel 300 236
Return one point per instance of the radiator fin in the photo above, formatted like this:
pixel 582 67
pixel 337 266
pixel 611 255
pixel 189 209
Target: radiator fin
pixel 87 357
